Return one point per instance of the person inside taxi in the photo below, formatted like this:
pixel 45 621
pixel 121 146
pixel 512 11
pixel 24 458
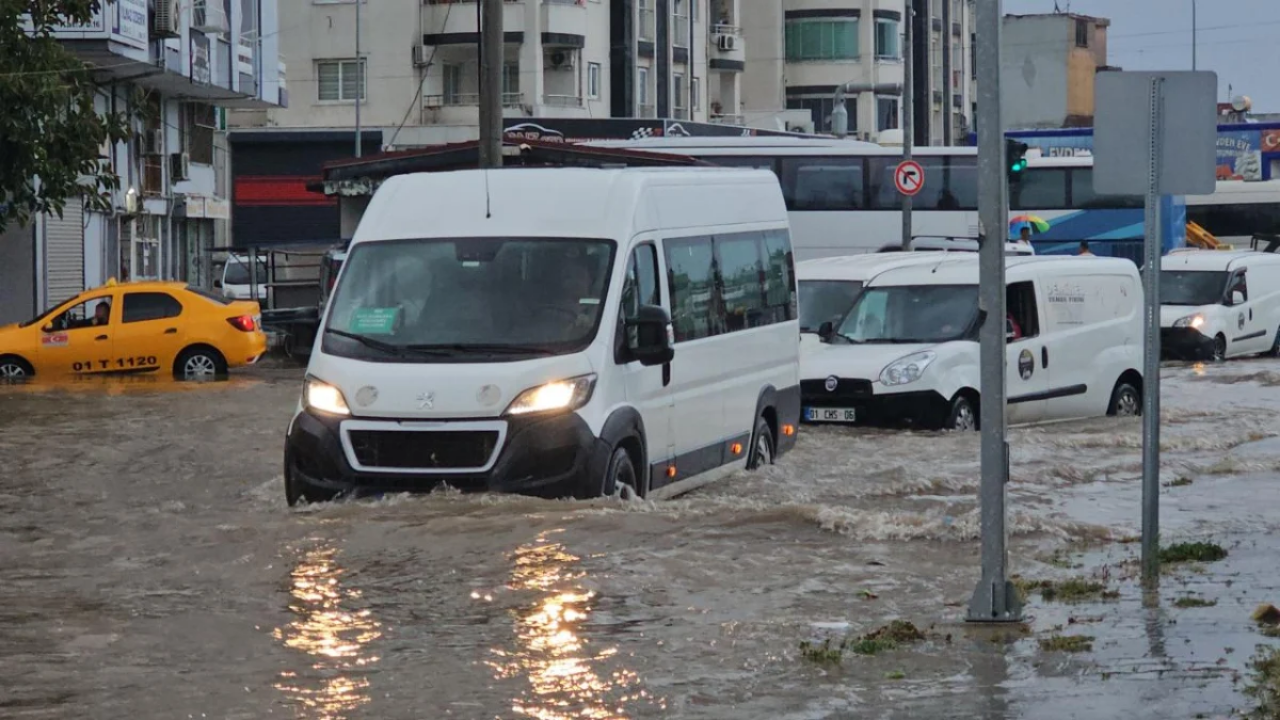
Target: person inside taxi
pixel 102 313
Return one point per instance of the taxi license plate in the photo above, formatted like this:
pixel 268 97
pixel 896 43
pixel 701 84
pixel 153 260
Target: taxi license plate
pixel 839 415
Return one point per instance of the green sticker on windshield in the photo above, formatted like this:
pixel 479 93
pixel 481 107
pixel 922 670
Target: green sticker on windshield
pixel 374 321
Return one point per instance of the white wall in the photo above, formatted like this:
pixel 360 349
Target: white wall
pixel 1033 70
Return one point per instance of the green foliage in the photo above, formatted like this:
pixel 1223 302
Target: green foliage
pixel 49 128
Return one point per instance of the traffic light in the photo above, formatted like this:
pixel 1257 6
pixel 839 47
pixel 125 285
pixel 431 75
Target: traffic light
pixel 1016 157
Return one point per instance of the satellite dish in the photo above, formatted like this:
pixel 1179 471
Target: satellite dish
pixel 1241 103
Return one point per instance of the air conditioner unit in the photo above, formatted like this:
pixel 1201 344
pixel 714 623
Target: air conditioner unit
pixel 559 60
pixel 208 16
pixel 153 142
pixel 727 43
pixel 422 55
pixel 179 167
pixel 165 20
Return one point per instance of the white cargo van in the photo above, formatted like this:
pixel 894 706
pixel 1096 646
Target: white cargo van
pixel 235 281
pixel 554 332
pixel 1218 304
pixel 907 352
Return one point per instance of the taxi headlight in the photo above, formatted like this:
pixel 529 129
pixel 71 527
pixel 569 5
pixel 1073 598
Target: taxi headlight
pixel 1195 322
pixel 320 395
pixel 906 370
pixel 561 395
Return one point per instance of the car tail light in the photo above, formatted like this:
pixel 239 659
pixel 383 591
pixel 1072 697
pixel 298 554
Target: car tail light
pixel 243 323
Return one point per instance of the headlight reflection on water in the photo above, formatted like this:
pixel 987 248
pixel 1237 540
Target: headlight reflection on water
pixel 563 672
pixel 335 638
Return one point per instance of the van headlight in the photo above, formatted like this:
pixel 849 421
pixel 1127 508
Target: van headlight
pixel 320 395
pixel 907 369
pixel 559 396
pixel 1195 322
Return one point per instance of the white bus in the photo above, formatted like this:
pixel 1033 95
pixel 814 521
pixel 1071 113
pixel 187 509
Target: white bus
pixel 1237 211
pixel 842 199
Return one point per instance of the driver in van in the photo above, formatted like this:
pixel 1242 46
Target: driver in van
pixel 578 285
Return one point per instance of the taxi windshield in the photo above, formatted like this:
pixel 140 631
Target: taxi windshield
pixel 46 314
pixel 419 300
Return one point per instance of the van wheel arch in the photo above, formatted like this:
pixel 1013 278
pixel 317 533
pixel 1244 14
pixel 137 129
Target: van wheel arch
pixel 975 401
pixel 1131 378
pixel 766 409
pixel 624 429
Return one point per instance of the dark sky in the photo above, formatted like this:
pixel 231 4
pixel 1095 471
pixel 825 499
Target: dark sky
pixel 1238 39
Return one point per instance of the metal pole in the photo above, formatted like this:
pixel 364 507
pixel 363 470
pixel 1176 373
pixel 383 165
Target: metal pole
pixel 908 110
pixel 1194 45
pixel 948 123
pixel 994 600
pixel 1151 368
pixel 491 51
pixel 363 77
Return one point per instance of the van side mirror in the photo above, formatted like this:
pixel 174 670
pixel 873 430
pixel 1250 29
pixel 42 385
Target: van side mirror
pixel 1237 297
pixel 653 344
pixel 826 331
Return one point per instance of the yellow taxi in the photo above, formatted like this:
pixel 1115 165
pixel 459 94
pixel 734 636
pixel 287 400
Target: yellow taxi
pixel 137 327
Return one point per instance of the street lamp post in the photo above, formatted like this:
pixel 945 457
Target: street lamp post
pixel 1194 29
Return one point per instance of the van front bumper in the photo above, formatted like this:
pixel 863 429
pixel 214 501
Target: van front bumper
pixel 1185 344
pixel 925 409
pixel 551 457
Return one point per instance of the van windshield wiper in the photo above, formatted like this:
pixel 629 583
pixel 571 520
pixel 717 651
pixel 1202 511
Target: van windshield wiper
pixel 487 348
pixel 386 347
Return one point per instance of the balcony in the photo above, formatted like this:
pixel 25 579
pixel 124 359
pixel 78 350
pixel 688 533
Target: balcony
pixel 680 113
pixel 565 17
pixel 647 110
pixel 512 100
pixel 726 48
pixel 562 101
pixel 648 25
pixel 724 119
pixel 441 18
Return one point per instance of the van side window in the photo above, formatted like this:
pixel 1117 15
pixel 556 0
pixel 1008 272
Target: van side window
pixel 1239 285
pixel 779 276
pixel 741 274
pixel 639 288
pixel 1024 319
pixel 695 304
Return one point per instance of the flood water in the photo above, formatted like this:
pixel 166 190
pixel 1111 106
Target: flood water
pixel 149 568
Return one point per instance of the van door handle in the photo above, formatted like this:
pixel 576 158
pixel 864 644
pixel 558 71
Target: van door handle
pixel 171 331
pixel 102 337
pixel 1044 357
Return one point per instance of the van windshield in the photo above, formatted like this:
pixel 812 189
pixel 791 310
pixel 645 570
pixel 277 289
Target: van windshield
pixel 237 272
pixel 912 314
pixel 823 301
pixel 1182 287
pixel 428 300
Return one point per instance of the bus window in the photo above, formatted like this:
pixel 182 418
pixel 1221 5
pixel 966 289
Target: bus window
pixel 1083 196
pixel 949 184
pixel 1040 189
pixel 831 183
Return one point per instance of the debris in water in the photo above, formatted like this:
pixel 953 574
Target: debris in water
pixel 895 675
pixel 898 632
pixel 1264 686
pixel 1067 643
pixel 1192 552
pixel 1180 481
pixel 822 653
pixel 867 594
pixel 1193 602
pixel 1266 614
pixel 1071 590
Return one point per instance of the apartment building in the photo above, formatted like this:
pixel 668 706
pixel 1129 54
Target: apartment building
pixel 417 76
pixel 799 51
pixel 176 65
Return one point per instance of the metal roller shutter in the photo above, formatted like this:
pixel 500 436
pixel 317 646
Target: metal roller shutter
pixel 64 253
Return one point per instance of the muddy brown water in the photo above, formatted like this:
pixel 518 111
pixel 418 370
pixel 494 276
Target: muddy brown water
pixel 149 568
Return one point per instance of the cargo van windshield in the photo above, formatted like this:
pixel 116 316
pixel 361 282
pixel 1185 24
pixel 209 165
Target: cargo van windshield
pixel 469 299
pixel 1196 288
pixel 823 301
pixel 911 314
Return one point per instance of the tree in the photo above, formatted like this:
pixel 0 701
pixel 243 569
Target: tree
pixel 51 134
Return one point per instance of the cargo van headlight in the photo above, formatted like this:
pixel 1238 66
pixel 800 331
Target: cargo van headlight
pixel 320 395
pixel 559 396
pixel 907 369
pixel 1195 322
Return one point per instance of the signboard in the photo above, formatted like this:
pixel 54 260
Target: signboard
pixel 579 130
pixel 909 178
pixel 130 25
pixel 1239 155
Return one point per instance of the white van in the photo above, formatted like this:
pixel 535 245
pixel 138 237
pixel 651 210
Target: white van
pixel 554 332
pixel 829 286
pixel 1218 304
pixel 236 283
pixel 907 352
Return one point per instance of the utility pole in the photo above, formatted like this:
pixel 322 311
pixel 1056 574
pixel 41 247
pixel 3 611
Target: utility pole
pixel 994 600
pixel 363 79
pixel 908 110
pixel 948 124
pixel 1195 46
pixel 491 50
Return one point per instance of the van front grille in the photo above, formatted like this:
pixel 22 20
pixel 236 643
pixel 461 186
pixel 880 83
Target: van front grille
pixel 814 393
pixel 427 450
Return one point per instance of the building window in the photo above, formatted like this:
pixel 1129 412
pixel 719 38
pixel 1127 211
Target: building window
pixel 822 39
pixel 1082 33
pixel 341 80
pixel 452 84
pixel 642 85
pixel 695 88
pixel 198 126
pixel 887 113
pixel 510 83
pixel 820 109
pixel 680 100
pixel 887 46
pixel 593 80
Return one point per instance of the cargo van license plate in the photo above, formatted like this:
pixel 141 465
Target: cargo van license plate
pixel 841 415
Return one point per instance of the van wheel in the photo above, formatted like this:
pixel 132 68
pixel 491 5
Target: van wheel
pixel 1275 345
pixel 296 493
pixel 620 477
pixel 762 447
pixel 1219 348
pixel 1126 401
pixel 963 416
